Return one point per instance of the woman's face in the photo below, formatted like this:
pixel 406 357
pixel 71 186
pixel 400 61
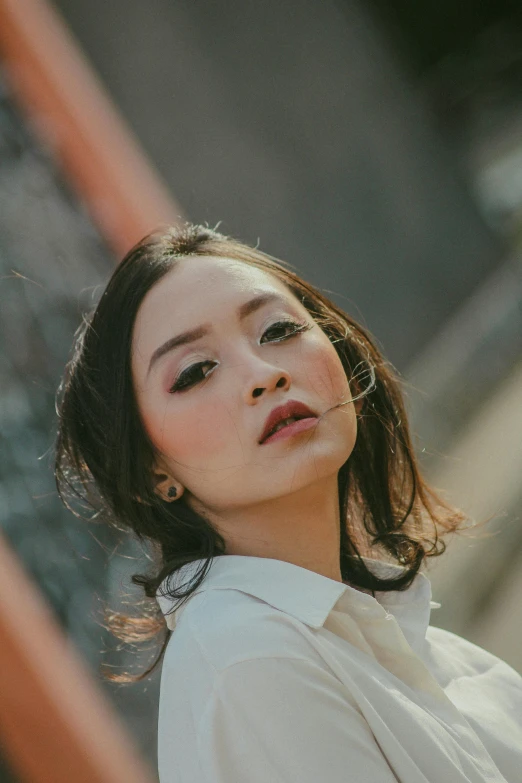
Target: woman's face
pixel 204 403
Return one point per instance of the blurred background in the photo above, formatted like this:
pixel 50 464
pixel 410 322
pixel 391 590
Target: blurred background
pixel 374 144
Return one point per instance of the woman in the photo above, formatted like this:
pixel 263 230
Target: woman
pixel 228 413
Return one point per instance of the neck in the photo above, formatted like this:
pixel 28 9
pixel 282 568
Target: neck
pixel 301 528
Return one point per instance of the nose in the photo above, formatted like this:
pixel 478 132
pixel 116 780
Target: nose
pixel 266 378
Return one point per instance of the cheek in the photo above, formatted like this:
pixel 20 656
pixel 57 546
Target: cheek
pixel 324 371
pixel 194 432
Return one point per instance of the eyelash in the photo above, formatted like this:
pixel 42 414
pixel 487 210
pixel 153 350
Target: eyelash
pixel 181 384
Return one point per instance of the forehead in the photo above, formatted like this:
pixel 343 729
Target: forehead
pixel 210 280
pixel 200 289
pixel 202 273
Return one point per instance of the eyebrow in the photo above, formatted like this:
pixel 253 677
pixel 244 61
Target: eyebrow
pixel 200 331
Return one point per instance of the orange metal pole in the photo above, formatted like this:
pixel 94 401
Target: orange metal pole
pixel 71 110
pixel 56 725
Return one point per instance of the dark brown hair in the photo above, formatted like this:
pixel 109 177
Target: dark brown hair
pixel 105 459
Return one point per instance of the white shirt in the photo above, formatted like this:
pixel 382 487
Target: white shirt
pixel 277 674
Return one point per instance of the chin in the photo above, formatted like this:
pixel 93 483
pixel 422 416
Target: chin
pixel 318 460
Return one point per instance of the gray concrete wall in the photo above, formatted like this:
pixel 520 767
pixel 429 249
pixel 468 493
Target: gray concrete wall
pixel 293 124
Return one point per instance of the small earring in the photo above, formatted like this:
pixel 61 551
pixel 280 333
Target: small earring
pixel 172 492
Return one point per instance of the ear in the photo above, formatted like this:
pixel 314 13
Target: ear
pixel 162 483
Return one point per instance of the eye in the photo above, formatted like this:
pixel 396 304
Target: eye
pixel 295 326
pixel 190 377
pixel 193 374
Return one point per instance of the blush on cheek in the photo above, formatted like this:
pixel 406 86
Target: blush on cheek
pixel 326 374
pixel 192 437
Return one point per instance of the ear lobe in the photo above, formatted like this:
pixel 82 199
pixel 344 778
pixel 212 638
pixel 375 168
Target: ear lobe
pixel 163 483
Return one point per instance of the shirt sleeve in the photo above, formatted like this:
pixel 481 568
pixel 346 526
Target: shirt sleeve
pixel 285 720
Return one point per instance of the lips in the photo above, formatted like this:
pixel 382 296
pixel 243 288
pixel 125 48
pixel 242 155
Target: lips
pixel 291 409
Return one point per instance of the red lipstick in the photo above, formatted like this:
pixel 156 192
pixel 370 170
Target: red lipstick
pixel 292 409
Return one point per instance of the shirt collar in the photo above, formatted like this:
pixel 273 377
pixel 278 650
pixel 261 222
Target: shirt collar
pixel 301 593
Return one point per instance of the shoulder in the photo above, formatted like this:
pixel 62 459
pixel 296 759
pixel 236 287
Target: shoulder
pixel 224 642
pixel 464 653
pixel 462 658
pixel 229 626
